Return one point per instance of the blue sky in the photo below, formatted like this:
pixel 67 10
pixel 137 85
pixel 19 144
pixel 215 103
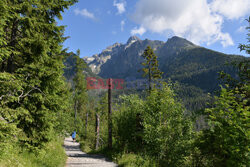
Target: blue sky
pixel 92 25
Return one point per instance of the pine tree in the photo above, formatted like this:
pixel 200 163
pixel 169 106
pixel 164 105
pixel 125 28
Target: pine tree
pixel 79 86
pixel 31 68
pixel 150 69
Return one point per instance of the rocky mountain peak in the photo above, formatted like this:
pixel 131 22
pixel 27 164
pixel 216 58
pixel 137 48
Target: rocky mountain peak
pixel 133 39
pixel 179 42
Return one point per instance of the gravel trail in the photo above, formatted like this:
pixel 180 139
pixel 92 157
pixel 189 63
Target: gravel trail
pixel 77 158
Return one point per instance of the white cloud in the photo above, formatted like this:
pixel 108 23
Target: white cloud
pixel 120 6
pixel 196 20
pixel 232 9
pixel 139 31
pixel 225 39
pixel 84 13
pixel 122 25
pixel 241 29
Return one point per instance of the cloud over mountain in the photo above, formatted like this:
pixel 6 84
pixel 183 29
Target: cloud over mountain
pixel 196 20
pixel 140 31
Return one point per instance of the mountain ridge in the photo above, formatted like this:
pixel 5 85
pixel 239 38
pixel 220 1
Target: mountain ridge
pixel 179 59
pixel 98 60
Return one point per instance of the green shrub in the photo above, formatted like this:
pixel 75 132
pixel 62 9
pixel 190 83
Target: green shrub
pixel 226 143
pixel 167 132
pixel 126 124
pixel 132 160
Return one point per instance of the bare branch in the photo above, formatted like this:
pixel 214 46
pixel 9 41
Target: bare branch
pixel 28 93
pixel 22 95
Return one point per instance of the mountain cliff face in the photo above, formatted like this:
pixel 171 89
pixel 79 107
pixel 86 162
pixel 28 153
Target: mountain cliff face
pixel 179 59
pixel 95 62
pixel 121 60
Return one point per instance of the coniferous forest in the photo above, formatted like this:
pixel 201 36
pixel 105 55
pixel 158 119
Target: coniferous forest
pixel 44 97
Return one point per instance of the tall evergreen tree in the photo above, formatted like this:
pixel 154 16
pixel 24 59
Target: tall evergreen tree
pixel 79 86
pixel 150 70
pixel 32 86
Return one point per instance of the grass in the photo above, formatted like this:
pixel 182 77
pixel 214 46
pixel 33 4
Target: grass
pixel 53 155
pixel 120 157
pixel 132 160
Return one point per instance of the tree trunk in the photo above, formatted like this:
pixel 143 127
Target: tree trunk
pixel 97 130
pixel 109 115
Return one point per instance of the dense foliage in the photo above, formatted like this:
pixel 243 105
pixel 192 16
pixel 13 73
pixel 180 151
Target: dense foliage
pixel 34 97
pixel 155 128
pixel 226 142
pixel 79 88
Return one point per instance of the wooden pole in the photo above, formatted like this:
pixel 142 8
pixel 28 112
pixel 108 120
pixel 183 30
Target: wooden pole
pixel 97 130
pixel 109 114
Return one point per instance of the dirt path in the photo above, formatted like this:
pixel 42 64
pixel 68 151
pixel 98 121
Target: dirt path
pixel 77 158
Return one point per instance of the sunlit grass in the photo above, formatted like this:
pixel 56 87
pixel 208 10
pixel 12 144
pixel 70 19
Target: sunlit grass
pixel 53 155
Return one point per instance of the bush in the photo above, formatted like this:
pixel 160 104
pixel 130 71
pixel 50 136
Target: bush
pixel 226 143
pixel 167 131
pixel 155 127
pixel 127 126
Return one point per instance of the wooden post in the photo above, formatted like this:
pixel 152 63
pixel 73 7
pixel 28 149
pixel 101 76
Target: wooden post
pixel 109 114
pixel 97 130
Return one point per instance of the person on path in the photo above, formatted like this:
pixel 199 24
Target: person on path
pixel 74 136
